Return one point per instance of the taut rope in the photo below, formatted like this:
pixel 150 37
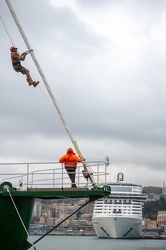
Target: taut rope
pixel 20 218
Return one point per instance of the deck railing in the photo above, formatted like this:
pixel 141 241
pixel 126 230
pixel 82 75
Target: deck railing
pixel 51 174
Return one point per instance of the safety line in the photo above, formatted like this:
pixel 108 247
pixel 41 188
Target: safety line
pixel 5 26
pixel 86 167
pixel 54 227
pixel 13 43
pixel 42 76
pixel 49 90
pixel 20 218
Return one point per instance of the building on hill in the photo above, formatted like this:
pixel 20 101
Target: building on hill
pixel 161 219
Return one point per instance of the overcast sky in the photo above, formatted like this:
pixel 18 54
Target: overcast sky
pixel 105 61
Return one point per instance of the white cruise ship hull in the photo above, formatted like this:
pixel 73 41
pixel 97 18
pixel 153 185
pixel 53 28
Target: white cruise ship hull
pixel 117 227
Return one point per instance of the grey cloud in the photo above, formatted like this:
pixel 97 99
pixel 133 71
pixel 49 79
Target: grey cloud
pixel 112 97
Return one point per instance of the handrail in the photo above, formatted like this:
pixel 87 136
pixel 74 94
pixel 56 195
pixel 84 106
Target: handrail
pixel 49 174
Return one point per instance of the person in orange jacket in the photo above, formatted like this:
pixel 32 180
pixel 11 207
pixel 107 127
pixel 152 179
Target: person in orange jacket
pixel 16 62
pixel 70 161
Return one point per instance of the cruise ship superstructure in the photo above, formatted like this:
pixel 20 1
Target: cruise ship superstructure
pixel 119 215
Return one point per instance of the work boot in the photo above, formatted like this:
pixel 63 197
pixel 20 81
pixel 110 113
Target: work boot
pixel 35 83
pixel 74 186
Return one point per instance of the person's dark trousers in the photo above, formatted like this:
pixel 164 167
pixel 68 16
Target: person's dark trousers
pixel 71 174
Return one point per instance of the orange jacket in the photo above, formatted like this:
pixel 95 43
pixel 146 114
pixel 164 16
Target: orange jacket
pixel 70 160
pixel 16 58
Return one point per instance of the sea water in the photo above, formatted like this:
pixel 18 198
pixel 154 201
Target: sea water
pixel 94 243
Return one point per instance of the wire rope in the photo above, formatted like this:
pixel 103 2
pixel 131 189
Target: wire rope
pixel 7 30
pixel 13 43
pixel 20 218
pixel 49 90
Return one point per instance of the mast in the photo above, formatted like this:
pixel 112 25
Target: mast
pixel 88 175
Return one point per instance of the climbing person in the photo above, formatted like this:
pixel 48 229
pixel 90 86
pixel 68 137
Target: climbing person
pixel 70 161
pixel 16 62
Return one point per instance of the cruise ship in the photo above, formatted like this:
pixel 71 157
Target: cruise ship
pixel 120 214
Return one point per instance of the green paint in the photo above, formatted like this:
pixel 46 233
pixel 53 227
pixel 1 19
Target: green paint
pixel 13 235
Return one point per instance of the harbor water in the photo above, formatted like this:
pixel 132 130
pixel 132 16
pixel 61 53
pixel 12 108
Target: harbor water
pixel 93 243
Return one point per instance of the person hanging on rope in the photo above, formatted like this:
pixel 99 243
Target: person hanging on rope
pixel 70 160
pixel 16 62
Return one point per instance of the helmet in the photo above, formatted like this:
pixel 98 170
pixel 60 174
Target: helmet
pixel 12 48
pixel 70 151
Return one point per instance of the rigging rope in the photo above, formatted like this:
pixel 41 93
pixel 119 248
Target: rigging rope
pixel 42 74
pixel 10 37
pixel 20 218
pixel 13 43
pixel 5 26
pixel 49 90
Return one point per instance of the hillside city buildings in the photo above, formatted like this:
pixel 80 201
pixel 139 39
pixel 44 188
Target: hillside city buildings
pixel 51 213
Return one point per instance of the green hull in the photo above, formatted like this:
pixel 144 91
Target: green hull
pixel 15 204
pixel 13 235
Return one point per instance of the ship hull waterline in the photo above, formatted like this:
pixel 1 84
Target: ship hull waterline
pixel 118 227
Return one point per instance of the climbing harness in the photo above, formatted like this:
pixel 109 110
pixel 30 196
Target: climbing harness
pixel 86 173
pixel 48 87
pixel 89 174
pixel 17 67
